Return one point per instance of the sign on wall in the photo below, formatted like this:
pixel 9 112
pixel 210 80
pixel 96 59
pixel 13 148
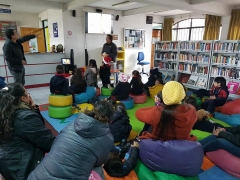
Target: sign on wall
pixel 7 11
pixel 4 25
pixel 55 30
pixel 69 34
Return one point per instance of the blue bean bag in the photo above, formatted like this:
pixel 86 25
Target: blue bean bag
pixel 233 120
pixel 84 97
pixel 129 103
pixel 179 157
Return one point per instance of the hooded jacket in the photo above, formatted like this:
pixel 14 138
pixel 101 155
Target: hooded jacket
pixel 122 91
pixel 185 118
pixel 120 126
pixel 27 147
pixel 84 144
pixel 59 84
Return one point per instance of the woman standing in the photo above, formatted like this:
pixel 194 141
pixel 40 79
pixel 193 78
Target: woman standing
pixel 24 139
pixel 109 48
pixel 84 144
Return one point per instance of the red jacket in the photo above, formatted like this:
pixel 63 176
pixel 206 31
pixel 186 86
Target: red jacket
pixel 185 118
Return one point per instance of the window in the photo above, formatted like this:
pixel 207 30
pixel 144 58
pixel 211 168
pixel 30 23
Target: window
pixel 189 29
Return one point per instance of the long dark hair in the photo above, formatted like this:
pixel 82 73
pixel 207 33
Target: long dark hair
pixel 9 100
pixel 93 63
pixel 138 76
pixel 166 125
pixel 114 163
pixel 78 79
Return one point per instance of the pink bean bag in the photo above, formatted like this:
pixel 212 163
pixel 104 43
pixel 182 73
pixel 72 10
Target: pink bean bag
pixel 226 161
pixel 94 176
pixel 139 99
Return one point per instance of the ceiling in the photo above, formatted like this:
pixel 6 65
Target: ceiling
pixel 133 7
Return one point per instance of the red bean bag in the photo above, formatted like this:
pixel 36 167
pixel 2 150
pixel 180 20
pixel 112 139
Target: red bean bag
pixel 98 91
pixel 139 99
pixel 226 161
pixel 232 107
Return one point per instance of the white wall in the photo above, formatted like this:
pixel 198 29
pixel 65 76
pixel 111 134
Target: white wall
pixel 22 19
pixel 94 42
pixel 225 26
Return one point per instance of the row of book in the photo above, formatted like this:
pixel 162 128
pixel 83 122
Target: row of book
pixel 166 56
pixel 201 58
pixel 230 73
pixel 193 68
pixel 226 47
pixel 166 65
pixel 228 60
pixel 166 46
pixel 193 80
pixel 195 46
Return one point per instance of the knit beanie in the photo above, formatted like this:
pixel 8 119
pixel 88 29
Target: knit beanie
pixel 123 77
pixel 173 93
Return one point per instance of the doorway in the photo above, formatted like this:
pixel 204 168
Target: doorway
pixel 156 36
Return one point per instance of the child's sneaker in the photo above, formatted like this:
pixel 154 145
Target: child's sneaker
pixel 110 87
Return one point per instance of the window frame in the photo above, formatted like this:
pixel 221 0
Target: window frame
pixel 190 28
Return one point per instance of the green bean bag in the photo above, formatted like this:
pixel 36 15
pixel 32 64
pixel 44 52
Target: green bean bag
pixel 144 173
pixel 106 91
pixel 199 101
pixel 59 112
pixel 201 134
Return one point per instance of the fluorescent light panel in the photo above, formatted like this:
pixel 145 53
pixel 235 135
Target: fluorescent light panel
pixel 125 3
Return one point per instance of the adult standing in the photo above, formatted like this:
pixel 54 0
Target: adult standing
pixel 109 48
pixel 14 55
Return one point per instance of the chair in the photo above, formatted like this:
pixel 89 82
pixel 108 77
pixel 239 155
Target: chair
pixel 141 62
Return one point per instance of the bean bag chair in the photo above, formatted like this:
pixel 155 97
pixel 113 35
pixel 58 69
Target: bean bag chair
pixel 139 99
pixel 59 112
pixel 131 176
pixel 144 173
pixel 226 161
pixel 129 103
pixel 233 120
pixel 199 101
pixel 82 107
pixel 60 100
pixel 106 91
pixel 98 91
pixel 155 90
pixel 179 157
pixel 84 97
pixel 231 107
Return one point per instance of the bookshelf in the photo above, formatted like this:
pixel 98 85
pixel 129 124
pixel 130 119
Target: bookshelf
pixel 120 59
pixel 197 63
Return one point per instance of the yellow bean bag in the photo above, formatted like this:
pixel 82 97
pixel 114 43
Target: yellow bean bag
pixel 60 100
pixel 155 90
pixel 83 107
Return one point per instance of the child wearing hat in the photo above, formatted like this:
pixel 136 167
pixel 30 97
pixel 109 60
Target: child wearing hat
pixel 105 73
pixel 171 121
pixel 123 88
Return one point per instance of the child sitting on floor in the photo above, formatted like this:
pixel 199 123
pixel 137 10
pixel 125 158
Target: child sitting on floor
pixel 119 123
pixel 123 88
pixel 136 83
pixel 78 82
pixel 218 95
pixel 91 73
pixel 114 166
pixel 202 122
pixel 156 88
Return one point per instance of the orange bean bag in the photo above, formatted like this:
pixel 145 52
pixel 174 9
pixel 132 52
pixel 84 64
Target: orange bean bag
pixel 232 107
pixel 131 176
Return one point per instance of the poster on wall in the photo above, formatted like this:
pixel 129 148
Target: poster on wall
pixel 134 38
pixel 4 25
pixel 55 30
pixel 69 34
pixel 33 45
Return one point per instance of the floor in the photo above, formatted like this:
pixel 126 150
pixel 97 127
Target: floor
pixel 40 95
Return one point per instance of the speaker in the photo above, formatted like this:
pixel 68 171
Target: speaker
pixel 117 17
pixel 99 10
pixel 149 20
pixel 74 13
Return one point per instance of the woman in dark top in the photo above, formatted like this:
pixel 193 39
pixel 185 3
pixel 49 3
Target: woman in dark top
pixel 109 48
pixel 78 83
pixel 136 83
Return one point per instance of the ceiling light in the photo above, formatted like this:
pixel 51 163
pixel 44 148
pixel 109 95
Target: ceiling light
pixel 125 3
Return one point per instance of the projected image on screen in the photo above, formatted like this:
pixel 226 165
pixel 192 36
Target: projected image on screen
pixel 98 23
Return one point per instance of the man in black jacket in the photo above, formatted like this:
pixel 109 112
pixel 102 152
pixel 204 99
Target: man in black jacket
pixel 109 48
pixel 14 55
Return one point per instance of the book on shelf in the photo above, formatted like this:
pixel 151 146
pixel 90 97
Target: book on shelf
pixel 184 78
pixel 201 82
pixel 192 80
pixel 166 45
pixel 231 73
pixel 232 87
pixel 167 65
pixel 226 46
pixel 226 60
pixel 166 56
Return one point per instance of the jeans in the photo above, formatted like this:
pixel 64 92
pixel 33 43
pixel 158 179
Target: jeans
pixel 213 143
pixel 210 105
pixel 19 77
